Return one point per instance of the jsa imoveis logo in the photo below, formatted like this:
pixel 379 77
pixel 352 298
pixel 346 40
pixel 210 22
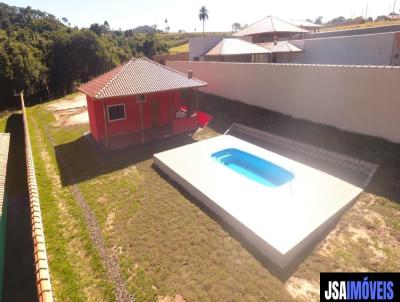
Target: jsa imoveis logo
pixel 360 286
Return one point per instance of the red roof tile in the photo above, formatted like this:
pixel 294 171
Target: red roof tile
pixel 138 76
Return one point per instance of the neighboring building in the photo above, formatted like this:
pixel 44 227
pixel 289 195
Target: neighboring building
pixel 140 101
pixel 307 25
pixel 269 29
pixel 373 49
pixel 200 45
pixel 237 50
pixel 282 51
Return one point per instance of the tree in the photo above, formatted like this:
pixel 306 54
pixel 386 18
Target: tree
pixel 96 28
pixel 203 15
pixel 318 20
pixel 65 20
pixel 166 25
pixel 236 27
pixel 106 27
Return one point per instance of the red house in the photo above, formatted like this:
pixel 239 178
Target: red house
pixel 140 101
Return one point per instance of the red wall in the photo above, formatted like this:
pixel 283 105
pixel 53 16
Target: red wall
pixel 159 102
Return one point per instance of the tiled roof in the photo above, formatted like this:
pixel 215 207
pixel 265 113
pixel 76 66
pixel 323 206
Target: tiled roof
pixel 267 25
pixel 280 46
pixel 234 46
pixel 138 76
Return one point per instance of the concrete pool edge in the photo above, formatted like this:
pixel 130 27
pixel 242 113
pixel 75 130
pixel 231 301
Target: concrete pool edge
pixel 287 232
pixel 281 263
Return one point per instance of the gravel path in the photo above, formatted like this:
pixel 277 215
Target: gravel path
pixel 109 260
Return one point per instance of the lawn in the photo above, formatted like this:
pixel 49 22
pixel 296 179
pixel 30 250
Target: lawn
pixel 361 25
pixel 167 244
pixel 179 49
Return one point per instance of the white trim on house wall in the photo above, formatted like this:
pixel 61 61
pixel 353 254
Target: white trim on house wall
pixel 115 105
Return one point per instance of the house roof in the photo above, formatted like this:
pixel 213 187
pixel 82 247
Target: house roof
pixel 280 47
pixel 138 76
pixel 269 24
pixel 234 46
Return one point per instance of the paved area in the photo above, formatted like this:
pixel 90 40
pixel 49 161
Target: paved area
pixel 70 111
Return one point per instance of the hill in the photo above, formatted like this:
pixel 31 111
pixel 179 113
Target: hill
pixel 46 58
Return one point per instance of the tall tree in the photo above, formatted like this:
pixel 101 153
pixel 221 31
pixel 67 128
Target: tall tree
pixel 318 20
pixel 203 15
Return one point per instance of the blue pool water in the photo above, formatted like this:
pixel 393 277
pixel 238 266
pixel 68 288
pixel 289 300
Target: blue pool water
pixel 253 167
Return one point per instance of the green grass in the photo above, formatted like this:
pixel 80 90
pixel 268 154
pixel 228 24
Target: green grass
pixel 179 49
pixel 361 25
pixel 3 120
pixel 75 268
pixel 168 245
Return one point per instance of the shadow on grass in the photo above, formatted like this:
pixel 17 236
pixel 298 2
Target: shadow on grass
pixel 379 151
pixel 19 274
pixel 86 160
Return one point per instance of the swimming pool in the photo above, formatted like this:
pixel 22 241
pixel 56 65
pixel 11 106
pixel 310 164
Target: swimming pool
pixel 281 219
pixel 253 167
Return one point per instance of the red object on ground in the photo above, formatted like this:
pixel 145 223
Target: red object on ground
pixel 204 118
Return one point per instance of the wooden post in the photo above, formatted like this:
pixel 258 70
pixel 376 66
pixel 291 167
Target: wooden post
pixel 196 99
pixel 106 124
pixel 141 121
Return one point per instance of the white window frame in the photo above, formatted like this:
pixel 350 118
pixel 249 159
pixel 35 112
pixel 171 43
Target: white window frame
pixel 138 100
pixel 115 105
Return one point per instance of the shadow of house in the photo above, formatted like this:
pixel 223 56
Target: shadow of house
pixel 83 159
pixel 19 274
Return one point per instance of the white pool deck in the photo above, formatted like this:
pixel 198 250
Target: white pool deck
pixel 282 221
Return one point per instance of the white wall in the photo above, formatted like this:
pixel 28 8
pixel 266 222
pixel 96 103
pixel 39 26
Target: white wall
pixel 359 99
pixel 199 45
pixel 373 49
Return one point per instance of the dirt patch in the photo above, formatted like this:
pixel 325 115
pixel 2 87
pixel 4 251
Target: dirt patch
pixel 303 289
pixel 70 111
pixel 177 298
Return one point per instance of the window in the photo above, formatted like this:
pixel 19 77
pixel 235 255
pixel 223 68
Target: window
pixel 185 93
pixel 141 98
pixel 116 112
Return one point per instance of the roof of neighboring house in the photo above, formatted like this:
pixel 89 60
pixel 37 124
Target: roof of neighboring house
pixel 234 46
pixel 269 24
pixel 138 76
pixel 280 46
pixel 303 23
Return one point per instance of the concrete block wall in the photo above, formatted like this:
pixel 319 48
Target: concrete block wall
pixel 199 45
pixel 373 49
pixel 360 99
pixel 182 56
pixel 43 284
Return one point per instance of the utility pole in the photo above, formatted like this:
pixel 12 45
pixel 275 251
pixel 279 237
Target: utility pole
pixel 21 96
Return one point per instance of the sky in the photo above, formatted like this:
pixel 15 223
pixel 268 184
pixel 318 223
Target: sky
pixel 183 14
